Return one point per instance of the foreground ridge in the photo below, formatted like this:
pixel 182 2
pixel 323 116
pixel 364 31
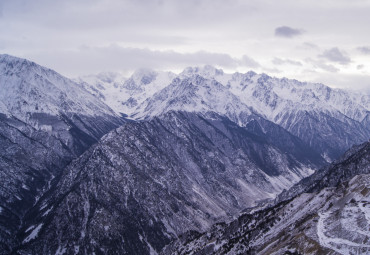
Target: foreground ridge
pixel 331 219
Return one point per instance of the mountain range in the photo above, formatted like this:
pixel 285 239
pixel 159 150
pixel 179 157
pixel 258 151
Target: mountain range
pixel 311 111
pixel 112 165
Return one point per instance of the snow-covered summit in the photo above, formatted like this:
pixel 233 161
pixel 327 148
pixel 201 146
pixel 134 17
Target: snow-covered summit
pixel 207 71
pixel 142 77
pixel 123 94
pixel 272 96
pixel 269 96
pixel 27 88
pixel 330 120
pixel 194 94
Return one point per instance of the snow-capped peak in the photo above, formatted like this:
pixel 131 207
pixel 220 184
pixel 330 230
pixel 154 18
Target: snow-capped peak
pixel 269 96
pixel 194 94
pixel 207 71
pixel 27 88
pixel 122 94
pixel 10 65
pixel 144 76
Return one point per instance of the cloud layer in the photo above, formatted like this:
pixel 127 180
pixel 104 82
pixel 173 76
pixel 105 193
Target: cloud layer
pixel 279 61
pixel 365 50
pixel 335 55
pixel 126 59
pixel 296 39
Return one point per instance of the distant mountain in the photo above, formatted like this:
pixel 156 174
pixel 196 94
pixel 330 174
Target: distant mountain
pixel 195 94
pixel 329 120
pixel 46 120
pixel 48 101
pixel 333 218
pixel 125 94
pixel 147 182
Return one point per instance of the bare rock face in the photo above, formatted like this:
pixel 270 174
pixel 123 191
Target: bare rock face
pixel 333 218
pixel 147 182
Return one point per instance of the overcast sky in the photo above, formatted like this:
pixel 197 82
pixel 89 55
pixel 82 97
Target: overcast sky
pixel 324 41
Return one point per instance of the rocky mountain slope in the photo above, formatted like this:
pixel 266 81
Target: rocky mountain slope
pixel 333 218
pixel 147 182
pixel 46 120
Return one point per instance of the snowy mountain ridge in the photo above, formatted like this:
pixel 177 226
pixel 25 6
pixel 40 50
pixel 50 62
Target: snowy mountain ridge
pixel 268 96
pixel 329 120
pixel 33 88
pixel 194 94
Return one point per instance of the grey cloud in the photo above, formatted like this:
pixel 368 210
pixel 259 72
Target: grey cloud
pixel 365 50
pixel 50 33
pixel 346 81
pixel 89 60
pixel 329 68
pixel 359 67
pixel 309 71
pixel 279 61
pixel 335 55
pixel 309 45
pixel 322 65
pixel 287 32
pixel 93 15
pixel 249 62
pixel 272 70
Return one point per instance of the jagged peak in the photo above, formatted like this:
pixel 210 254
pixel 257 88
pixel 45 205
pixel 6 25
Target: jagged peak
pixel 139 78
pixel 10 58
pixel 20 66
pixel 109 77
pixel 207 71
pixel 196 80
pixel 143 73
pixel 26 87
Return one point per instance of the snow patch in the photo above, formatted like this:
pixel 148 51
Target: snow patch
pixel 30 228
pixel 60 250
pixel 43 207
pixel 334 242
pixel 47 212
pixel 76 249
pixel 33 234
